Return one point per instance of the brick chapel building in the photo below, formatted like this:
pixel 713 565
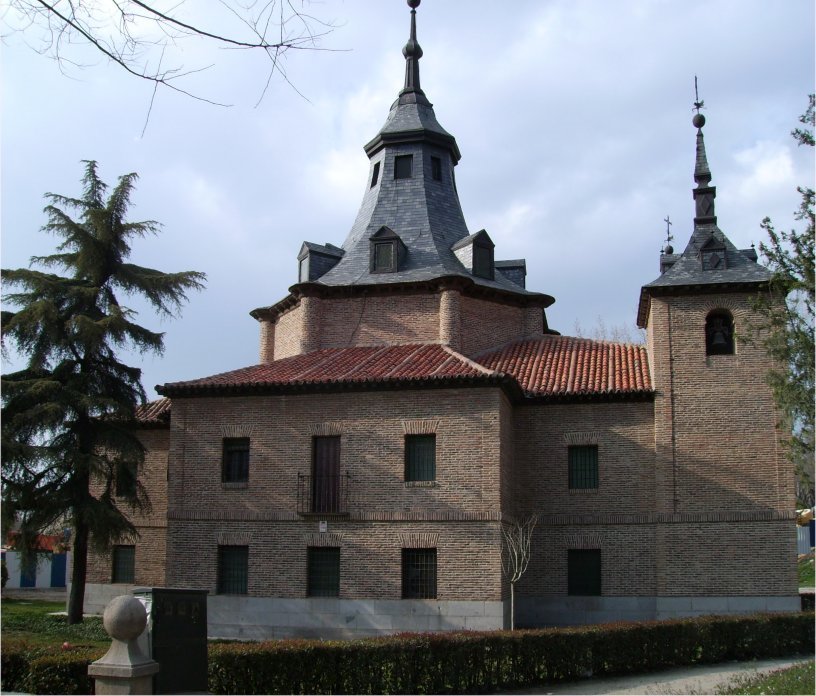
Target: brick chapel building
pixel 410 397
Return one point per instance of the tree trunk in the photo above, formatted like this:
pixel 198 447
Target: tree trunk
pixel 512 606
pixel 79 569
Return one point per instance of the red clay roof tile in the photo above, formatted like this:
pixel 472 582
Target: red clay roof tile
pixel 566 366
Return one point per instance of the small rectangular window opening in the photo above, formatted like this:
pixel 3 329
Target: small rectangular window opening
pixel 323 572
pixel 235 464
pixel 233 562
pixel 376 174
pixel 436 168
pixel 419 573
pixel 403 166
pixel 124 564
pixel 420 457
pixel 383 256
pixel 583 466
pixel 584 572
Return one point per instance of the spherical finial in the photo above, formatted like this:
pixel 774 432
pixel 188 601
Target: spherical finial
pixel 413 4
pixel 698 120
pixel 669 249
pixel 125 618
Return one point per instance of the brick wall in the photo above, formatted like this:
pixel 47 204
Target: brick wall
pixel 468 561
pixel 152 525
pixel 506 323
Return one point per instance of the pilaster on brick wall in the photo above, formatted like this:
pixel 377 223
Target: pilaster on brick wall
pixel 533 322
pixel 267 351
pixel 450 331
pixel 310 335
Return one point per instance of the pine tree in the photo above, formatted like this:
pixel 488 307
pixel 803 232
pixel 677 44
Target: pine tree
pixel 788 316
pixel 67 415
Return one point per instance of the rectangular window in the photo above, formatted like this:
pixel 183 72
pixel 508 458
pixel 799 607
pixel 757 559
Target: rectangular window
pixel 235 463
pixel 584 572
pixel 126 480
pixel 326 471
pixel 375 176
pixel 583 467
pixel 323 572
pixel 233 562
pixel 124 564
pixel 403 166
pixel 483 261
pixel 383 257
pixel 419 573
pixel 436 168
pixel 420 457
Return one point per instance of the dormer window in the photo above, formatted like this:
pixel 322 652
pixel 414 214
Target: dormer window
pixel 403 166
pixel 387 251
pixel 719 333
pixel 476 254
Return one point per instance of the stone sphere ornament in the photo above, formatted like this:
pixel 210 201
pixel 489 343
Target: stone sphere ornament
pixel 125 618
pixel 698 121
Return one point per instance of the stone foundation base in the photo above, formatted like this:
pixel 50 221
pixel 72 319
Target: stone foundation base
pixel 534 612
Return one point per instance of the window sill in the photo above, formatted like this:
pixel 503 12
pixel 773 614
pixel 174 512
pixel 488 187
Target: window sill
pixel 421 484
pixel 584 491
pixel 234 485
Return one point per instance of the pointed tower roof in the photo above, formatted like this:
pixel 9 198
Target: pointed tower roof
pixel 411 192
pixel 710 258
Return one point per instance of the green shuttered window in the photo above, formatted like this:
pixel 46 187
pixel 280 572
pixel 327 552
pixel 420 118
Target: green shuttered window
pixel 583 467
pixel 420 457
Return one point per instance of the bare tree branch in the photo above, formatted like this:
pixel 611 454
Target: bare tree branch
pixel 517 536
pixel 130 33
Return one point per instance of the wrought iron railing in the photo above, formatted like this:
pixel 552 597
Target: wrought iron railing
pixel 327 495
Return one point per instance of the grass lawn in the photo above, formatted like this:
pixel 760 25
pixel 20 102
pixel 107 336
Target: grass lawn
pixel 793 680
pixel 806 570
pixel 32 622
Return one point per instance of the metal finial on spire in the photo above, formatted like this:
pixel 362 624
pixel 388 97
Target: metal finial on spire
pixel 669 249
pixel 698 120
pixel 412 52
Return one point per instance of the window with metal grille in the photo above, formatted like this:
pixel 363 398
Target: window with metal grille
pixel 419 573
pixel 420 457
pixel 124 564
pixel 436 168
pixel 403 166
pixel 126 480
pixel 375 176
pixel 233 569
pixel 323 572
pixel 235 463
pixel 583 466
pixel 584 572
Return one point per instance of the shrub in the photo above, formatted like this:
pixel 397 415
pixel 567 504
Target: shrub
pixel 478 662
pixel 62 673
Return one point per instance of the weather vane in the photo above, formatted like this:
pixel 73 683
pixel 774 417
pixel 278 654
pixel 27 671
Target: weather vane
pixel 698 104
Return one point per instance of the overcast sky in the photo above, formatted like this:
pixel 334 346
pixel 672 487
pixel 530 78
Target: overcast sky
pixel 573 118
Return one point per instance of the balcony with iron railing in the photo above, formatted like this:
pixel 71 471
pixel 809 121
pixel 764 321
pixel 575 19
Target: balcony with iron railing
pixel 323 495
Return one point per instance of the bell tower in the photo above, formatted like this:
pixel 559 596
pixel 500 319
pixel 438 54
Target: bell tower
pixel 716 442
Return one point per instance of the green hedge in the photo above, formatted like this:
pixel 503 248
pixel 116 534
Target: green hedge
pixel 478 662
pixel 435 663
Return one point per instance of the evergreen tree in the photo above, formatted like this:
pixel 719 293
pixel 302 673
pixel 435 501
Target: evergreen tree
pixel 788 313
pixel 66 415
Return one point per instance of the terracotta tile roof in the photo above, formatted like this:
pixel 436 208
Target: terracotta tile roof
pixel 357 365
pixel 562 366
pixel 154 412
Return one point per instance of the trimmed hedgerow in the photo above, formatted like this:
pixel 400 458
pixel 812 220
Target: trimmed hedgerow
pixel 478 662
pixel 40 670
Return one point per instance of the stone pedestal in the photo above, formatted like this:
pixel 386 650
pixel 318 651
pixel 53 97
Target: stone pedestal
pixel 124 669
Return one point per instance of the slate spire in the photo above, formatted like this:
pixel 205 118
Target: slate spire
pixel 412 52
pixel 704 194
